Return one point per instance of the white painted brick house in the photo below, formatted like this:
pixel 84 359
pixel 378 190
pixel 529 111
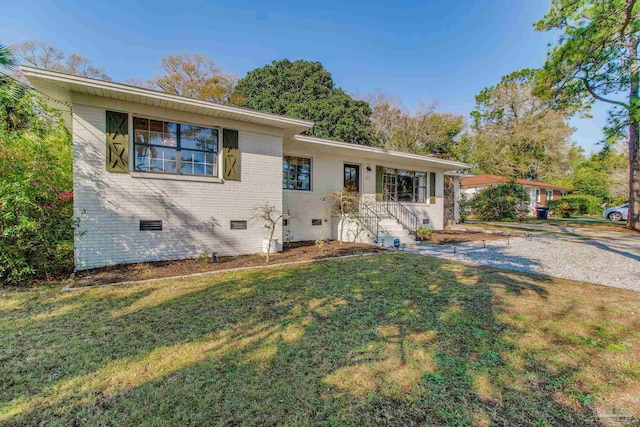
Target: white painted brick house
pixel 160 176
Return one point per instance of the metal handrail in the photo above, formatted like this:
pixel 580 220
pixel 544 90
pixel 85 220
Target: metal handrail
pixel 402 214
pixel 369 220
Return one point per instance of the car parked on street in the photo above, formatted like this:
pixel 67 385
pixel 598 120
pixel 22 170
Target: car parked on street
pixel 618 213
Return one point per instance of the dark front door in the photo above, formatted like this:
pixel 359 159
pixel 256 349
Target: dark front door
pixel 352 178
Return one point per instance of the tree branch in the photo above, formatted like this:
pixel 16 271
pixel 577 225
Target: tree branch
pixel 601 98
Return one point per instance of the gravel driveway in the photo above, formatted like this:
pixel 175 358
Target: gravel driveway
pixel 608 262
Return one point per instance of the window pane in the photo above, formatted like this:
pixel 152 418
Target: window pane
pixel 198 138
pixel 405 187
pixel 155 159
pixel 420 184
pixel 296 173
pixel 196 162
pixel 142 137
pixel 140 124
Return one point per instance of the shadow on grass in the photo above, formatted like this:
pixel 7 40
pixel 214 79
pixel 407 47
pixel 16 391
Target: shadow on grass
pixel 397 339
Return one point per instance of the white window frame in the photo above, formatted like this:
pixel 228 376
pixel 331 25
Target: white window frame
pixel 537 195
pixel 546 194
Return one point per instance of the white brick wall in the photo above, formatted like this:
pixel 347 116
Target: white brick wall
pixel 327 176
pixel 195 215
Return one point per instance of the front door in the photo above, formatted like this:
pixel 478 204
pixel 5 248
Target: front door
pixel 352 178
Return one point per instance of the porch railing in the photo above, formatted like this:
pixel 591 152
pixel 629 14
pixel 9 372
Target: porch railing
pixel 401 213
pixel 370 220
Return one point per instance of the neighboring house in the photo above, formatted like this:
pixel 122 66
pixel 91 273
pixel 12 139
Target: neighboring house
pixel 540 193
pixel 160 176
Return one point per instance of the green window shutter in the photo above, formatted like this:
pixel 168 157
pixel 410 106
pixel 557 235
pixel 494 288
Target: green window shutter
pixel 230 155
pixel 117 131
pixel 379 172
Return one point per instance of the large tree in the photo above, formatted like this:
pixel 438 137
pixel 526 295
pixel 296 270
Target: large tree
pixel 518 134
pixel 424 131
pixel 43 55
pixel 596 58
pixel 305 90
pixel 193 75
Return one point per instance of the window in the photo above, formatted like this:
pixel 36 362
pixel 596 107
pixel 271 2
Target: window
pixel 167 147
pixel 316 222
pixel 549 195
pixel 537 195
pixel 296 173
pixel 409 186
pixel 563 193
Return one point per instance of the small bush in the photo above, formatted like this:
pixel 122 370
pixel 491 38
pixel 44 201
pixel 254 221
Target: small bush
pixel 578 204
pixel 504 202
pixel 424 233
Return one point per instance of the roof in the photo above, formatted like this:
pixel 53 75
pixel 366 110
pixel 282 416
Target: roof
pixel 486 179
pixel 57 87
pixel 379 152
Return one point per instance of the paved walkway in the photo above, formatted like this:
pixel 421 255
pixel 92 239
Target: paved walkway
pixel 611 261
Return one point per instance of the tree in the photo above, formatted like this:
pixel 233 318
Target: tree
pixel 6 57
pixel 195 76
pixel 519 134
pixel 345 204
pixel 270 215
pixel 596 59
pixel 43 55
pixel 504 202
pixel 305 90
pixel 603 175
pixel 423 131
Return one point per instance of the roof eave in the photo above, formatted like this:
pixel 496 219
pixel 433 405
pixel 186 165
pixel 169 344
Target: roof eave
pixel 289 125
pixel 444 164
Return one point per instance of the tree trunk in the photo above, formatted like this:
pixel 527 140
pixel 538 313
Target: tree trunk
pixel 634 177
pixel 634 140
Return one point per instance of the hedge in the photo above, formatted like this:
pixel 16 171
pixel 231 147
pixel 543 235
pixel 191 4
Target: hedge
pixel 576 205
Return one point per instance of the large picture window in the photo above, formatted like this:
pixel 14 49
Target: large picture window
pixel 175 148
pixel 296 173
pixel 409 186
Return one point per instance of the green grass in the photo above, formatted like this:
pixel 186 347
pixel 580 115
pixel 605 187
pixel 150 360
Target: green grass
pixel 394 339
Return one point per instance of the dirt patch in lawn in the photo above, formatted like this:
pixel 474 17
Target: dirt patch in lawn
pixel 297 251
pixel 455 237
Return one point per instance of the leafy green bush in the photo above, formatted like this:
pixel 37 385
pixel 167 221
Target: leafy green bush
pixel 578 204
pixel 504 202
pixel 424 233
pixel 36 202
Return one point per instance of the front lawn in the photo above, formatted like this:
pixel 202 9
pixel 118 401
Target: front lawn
pixel 390 339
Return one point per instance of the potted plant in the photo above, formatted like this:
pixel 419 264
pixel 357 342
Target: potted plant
pixel 423 233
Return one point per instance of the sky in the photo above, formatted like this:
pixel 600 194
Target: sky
pixel 418 51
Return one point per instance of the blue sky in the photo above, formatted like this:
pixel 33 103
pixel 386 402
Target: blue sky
pixel 417 51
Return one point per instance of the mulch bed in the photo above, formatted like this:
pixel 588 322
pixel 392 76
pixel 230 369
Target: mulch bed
pixel 298 251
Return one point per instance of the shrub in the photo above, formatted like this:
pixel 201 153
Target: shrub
pixel 578 204
pixel 424 233
pixel 36 203
pixel 504 202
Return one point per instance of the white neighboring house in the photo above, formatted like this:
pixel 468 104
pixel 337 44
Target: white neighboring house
pixel 160 176
pixel 540 193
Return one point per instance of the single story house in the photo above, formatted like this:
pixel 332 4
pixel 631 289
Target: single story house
pixel 158 176
pixel 540 193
